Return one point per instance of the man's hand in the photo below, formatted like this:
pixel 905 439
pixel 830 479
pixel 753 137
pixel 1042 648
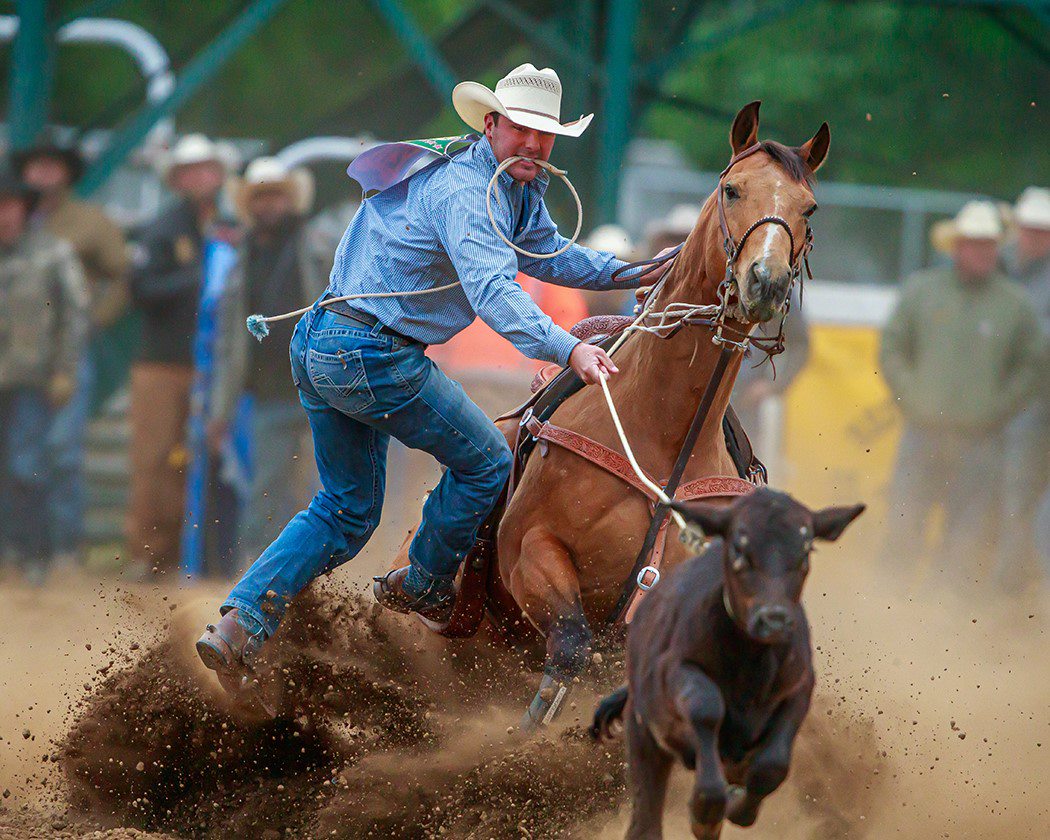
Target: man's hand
pixel 589 362
pixel 60 389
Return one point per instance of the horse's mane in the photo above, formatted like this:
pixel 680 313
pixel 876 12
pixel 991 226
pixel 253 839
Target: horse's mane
pixel 790 159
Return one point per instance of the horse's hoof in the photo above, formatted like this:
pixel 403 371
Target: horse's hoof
pixel 546 705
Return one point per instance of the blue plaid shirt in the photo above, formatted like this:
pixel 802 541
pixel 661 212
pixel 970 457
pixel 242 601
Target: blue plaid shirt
pixel 432 229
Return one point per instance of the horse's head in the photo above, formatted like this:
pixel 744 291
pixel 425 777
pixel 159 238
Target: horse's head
pixel 767 538
pixel 764 200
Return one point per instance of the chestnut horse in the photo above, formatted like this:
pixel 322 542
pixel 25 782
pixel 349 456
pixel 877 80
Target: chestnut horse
pixel 571 531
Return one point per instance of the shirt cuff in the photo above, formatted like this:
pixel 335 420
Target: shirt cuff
pixel 561 346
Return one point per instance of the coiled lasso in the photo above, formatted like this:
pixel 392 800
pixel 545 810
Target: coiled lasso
pixel 259 325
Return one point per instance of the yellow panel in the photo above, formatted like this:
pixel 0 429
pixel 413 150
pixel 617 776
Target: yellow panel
pixel 840 427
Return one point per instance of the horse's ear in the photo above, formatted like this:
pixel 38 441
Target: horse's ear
pixel 815 150
pixel 713 520
pixel 829 523
pixel 745 127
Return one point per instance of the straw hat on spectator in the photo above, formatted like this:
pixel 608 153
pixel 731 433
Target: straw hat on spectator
pixel 976 220
pixel 527 96
pixel 1033 209
pixel 612 239
pixel 273 173
pixel 195 148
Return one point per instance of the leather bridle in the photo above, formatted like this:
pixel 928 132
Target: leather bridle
pixel 741 340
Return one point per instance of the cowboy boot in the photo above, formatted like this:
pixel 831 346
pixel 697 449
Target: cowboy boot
pixel 230 647
pixel 435 603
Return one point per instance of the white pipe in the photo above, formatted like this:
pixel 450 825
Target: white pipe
pixel 151 58
pixel 324 148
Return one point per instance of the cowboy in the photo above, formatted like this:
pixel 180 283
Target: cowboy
pixel 276 263
pixel 1027 465
pixel 363 376
pixel 959 355
pixel 52 168
pixel 165 287
pixel 43 324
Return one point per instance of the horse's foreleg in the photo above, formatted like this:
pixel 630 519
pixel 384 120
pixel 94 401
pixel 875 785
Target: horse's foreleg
pixel 700 702
pixel 544 583
pixel 769 763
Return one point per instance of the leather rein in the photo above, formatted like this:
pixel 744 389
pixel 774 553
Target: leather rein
pixel 737 341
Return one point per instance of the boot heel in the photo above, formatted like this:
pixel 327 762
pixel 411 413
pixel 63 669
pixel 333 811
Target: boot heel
pixel 214 652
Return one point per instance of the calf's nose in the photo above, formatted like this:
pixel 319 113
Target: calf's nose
pixel 772 621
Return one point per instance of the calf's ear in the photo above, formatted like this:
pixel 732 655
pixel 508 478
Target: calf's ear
pixel 830 522
pixel 711 519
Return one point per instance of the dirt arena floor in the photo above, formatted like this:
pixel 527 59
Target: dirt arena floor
pixel 931 721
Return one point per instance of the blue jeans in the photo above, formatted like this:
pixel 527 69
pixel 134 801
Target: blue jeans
pixel 275 491
pixel 65 443
pixel 24 420
pixel 360 388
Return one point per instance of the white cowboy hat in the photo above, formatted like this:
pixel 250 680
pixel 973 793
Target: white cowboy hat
pixel 195 148
pixel 976 220
pixel 527 96
pixel 270 172
pixel 1033 209
pixel 612 239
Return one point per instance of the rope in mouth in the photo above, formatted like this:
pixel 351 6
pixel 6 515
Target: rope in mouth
pixel 553 170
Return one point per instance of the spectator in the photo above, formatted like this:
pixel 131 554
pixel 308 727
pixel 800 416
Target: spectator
pixel 51 170
pixel 165 286
pixel 43 323
pixel 672 229
pixel 1028 436
pixel 276 269
pixel 614 240
pixel 959 355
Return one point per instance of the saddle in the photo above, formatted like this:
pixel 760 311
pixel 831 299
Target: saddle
pixel 481 591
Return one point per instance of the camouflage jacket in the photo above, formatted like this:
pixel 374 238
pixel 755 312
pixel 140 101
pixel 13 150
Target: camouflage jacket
pixel 43 310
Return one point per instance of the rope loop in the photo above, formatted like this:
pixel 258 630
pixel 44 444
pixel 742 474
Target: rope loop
pixel 561 173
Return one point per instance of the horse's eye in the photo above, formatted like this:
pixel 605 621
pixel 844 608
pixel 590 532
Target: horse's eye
pixel 729 191
pixel 811 211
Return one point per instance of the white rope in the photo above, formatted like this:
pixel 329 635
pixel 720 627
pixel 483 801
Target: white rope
pixel 656 488
pixel 561 173
pixel 258 325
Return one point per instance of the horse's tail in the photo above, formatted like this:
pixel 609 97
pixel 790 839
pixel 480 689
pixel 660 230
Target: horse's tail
pixel 608 713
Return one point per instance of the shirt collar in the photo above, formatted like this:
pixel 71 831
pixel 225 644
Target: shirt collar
pixel 485 155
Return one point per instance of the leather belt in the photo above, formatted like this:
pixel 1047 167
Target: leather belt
pixel 344 309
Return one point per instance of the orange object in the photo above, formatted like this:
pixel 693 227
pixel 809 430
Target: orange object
pixel 479 347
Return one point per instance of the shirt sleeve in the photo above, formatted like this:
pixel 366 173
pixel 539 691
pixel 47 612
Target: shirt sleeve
pixel 111 295
pixel 578 267
pixel 487 266
pixel 897 347
pixel 71 337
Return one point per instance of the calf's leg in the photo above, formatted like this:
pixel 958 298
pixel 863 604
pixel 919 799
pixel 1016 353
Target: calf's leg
pixel 700 702
pixel 770 761
pixel 648 768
